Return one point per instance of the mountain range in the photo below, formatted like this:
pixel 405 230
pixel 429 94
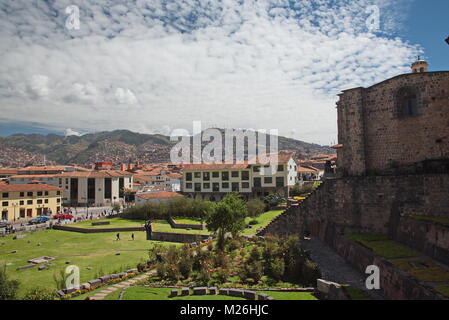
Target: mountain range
pixel 119 146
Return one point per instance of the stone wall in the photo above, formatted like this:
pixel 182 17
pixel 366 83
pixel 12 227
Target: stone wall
pixel 177 237
pixel 176 225
pixel 376 137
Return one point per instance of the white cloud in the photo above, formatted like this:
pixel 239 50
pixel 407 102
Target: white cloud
pixel 69 132
pixel 149 66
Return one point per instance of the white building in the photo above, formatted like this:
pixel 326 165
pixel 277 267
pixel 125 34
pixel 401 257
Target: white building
pixel 214 181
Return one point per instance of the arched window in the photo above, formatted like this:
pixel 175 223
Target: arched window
pixel 407 102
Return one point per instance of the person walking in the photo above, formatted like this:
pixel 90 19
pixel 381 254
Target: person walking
pixel 132 236
pixel 118 236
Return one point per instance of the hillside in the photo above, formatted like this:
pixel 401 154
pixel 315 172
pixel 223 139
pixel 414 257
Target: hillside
pixel 116 146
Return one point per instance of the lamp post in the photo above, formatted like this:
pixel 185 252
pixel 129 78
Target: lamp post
pixel 15 204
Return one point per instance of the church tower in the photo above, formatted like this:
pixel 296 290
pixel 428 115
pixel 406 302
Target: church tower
pixel 420 66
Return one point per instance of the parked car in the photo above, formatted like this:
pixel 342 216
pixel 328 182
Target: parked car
pixel 4 224
pixel 38 220
pixel 63 216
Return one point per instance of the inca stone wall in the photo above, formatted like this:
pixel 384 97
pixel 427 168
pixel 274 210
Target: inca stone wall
pixel 376 137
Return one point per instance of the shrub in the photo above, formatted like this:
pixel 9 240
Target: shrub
pixel 255 207
pixel 253 222
pixel 274 200
pixel 309 273
pixel 39 294
pixel 277 269
pixel 254 255
pixel 8 288
pixel 233 245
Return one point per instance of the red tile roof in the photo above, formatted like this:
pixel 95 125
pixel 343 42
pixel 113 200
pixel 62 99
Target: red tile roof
pixel 160 195
pixel 95 174
pixel 7 171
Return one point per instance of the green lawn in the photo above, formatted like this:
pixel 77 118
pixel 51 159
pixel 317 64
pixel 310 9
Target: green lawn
pixel 84 250
pixel 279 295
pixel 263 220
pixel 114 223
pixel 383 247
pixel 444 221
pixel 187 221
pixel 164 226
pixel 147 293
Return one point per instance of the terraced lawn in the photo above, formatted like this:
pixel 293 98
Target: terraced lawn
pixel 99 251
pixel 114 223
pixel 164 226
pixel 263 220
pixel 382 246
pixel 147 293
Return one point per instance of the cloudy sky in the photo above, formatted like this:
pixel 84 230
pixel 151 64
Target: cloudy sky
pixel 155 65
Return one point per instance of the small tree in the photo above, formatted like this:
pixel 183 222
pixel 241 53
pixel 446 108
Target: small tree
pixel 8 288
pixel 228 215
pixel 255 207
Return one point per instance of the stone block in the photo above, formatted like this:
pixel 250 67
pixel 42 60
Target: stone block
pixel 85 286
pixel 185 292
pixel 173 293
pixel 262 296
pixel 105 278
pixel 235 293
pixel 250 295
pixel 223 291
pixel 199 291
pixel 26 267
pixel 95 283
pixel 213 290
pixel 114 276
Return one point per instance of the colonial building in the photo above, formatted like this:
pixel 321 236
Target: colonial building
pixel 214 181
pixel 402 122
pixel 25 201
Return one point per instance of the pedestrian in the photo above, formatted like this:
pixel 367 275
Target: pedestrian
pixel 118 236
pixel 132 236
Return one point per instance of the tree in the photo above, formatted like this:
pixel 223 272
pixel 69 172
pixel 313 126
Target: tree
pixel 255 207
pixel 116 207
pixel 8 288
pixel 227 215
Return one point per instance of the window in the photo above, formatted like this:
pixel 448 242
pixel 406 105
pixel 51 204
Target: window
pixel 5 195
pixel 281 167
pixel 58 200
pixel 29 194
pixel 245 185
pixel 407 102
pixel 22 213
pixel 58 193
pixel 189 176
pixel 268 180
pixel 225 176
pixel 39 201
pixel 197 187
pixel 22 202
pixel 22 194
pixel 245 175
pixel 225 185
pixel 215 187
pixel 235 174
pixel 39 193
pixel 46 200
pixel 197 175
pixel 46 193
pixel 29 202
pixel 4 203
pixel 206 185
pixel 206 176
pixel 235 187
pixel 189 186
pixel 279 181
pixel 256 169
pixel 257 182
pixel 215 174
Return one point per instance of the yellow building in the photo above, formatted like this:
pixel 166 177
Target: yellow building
pixel 20 202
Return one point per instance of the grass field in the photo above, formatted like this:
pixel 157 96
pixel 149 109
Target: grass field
pixel 98 251
pixel 146 293
pixel 278 295
pixel 383 247
pixel 114 223
pixel 263 220
pixel 187 221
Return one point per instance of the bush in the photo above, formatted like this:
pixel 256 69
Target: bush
pixel 8 288
pixel 273 200
pixel 39 294
pixel 233 245
pixel 255 207
pixel 277 269
pixel 309 273
pixel 253 222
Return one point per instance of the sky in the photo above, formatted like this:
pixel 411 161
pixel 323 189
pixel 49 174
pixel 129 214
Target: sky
pixel 156 66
